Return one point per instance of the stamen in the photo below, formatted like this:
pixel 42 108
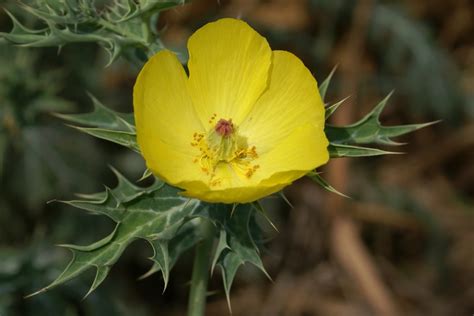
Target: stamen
pixel 224 145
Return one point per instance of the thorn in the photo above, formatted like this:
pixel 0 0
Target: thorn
pixel 86 295
pixel 324 85
pixel 67 246
pixel 234 207
pixel 115 171
pixel 283 196
pixel 319 180
pixel 146 174
pixel 331 74
pixel 331 109
pixel 60 115
pixel 260 208
pixel 227 297
pixel 212 293
pixel 187 203
pixel 266 274
pixel 36 293
pixel 381 105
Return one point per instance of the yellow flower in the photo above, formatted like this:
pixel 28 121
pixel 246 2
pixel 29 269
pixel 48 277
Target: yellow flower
pixel 247 121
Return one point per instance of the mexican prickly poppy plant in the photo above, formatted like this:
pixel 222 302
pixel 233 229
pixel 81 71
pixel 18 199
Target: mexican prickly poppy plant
pixel 245 123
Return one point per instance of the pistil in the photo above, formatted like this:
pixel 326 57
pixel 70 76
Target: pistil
pixel 225 128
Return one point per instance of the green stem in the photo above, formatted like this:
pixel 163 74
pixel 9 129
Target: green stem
pixel 201 266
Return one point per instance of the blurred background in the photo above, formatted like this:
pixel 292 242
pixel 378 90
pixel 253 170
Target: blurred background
pixel 404 243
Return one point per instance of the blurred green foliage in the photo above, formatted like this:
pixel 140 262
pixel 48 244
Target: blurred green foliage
pixel 408 57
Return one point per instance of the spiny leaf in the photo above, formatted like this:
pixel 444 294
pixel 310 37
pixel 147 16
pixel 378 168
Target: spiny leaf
pixel 118 29
pixel 164 219
pixel 84 260
pixel 229 264
pixel 123 192
pixel 126 191
pixel 20 34
pixel 101 117
pixel 241 246
pixel 129 9
pixel 339 150
pixel 92 246
pixel 107 205
pixel 155 214
pixel 221 246
pixel 237 239
pixel 162 259
pixel 100 275
pixel 106 124
pixel 73 13
pixel 186 238
pixel 127 139
pixel 369 130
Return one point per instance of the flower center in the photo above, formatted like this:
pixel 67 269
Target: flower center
pixel 222 145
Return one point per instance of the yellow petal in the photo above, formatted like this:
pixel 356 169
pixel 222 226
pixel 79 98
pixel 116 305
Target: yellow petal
pixel 302 151
pixel 228 66
pixel 165 119
pixel 244 194
pixel 291 100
